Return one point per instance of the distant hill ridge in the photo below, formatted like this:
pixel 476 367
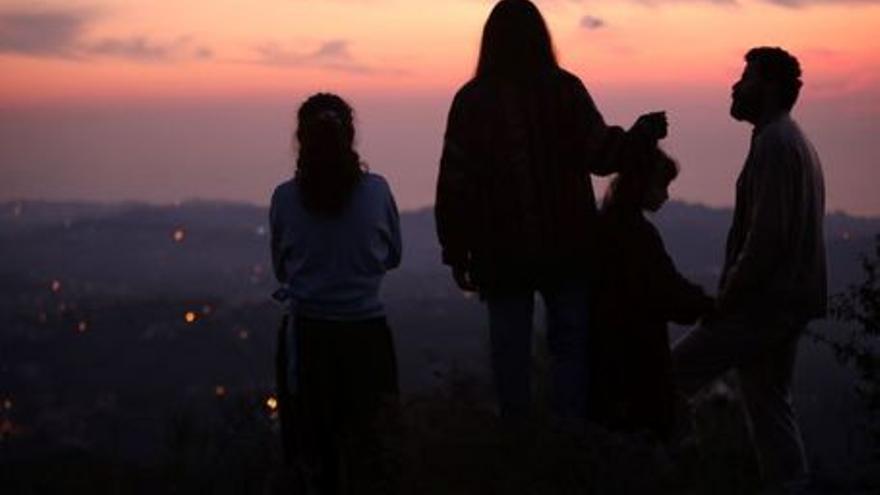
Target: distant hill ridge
pixel 58 211
pixel 223 246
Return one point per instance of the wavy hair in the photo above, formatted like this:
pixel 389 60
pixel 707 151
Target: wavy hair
pixel 516 43
pixel 327 166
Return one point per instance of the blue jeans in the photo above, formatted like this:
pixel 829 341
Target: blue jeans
pixel 510 333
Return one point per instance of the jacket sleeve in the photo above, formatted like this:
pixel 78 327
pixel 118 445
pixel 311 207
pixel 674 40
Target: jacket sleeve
pixel 771 201
pixel 276 230
pixel 608 149
pixel 454 204
pixel 672 295
pixel 393 236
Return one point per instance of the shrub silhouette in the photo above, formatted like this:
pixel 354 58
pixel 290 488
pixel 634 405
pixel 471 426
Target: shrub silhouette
pixel 858 347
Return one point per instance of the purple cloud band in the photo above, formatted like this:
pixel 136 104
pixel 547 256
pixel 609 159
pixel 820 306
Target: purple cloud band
pixel 62 34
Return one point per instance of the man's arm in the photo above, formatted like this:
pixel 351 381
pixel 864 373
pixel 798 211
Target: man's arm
pixel 395 242
pixel 275 238
pixel 771 209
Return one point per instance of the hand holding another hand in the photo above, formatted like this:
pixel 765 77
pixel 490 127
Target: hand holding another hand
pixel 464 279
pixel 710 310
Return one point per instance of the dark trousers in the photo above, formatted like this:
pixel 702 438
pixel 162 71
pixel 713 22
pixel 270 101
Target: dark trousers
pixel 510 333
pixel 347 372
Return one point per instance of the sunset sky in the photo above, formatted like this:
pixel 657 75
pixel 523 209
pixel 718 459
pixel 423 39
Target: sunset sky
pixel 162 101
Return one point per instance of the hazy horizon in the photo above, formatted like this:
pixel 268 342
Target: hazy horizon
pixel 156 103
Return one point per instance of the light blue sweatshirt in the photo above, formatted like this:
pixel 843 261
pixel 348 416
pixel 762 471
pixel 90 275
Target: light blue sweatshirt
pixel 334 265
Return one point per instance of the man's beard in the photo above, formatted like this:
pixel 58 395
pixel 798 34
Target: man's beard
pixel 744 109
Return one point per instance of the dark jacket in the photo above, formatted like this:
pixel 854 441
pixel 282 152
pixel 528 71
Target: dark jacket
pixel 515 204
pixel 640 291
pixel 775 255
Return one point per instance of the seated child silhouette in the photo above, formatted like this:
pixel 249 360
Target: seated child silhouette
pixel 639 290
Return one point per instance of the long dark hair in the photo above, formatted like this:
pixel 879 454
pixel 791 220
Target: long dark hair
pixel 327 166
pixel 627 190
pixel 516 43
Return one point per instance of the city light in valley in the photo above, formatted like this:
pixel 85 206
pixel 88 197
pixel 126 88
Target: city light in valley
pixel 190 317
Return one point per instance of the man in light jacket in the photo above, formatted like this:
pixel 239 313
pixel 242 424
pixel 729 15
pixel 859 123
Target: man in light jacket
pixel 774 278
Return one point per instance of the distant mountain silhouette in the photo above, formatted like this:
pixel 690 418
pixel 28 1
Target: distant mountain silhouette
pixel 128 248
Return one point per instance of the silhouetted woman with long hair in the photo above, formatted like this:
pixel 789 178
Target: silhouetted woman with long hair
pixel 515 207
pixel 641 291
pixel 335 232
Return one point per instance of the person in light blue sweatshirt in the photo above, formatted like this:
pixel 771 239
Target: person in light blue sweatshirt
pixel 335 232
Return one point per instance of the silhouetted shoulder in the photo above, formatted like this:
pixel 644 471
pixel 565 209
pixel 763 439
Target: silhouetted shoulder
pixel 375 183
pixel 781 133
pixel 570 79
pixel 285 188
pixel 477 92
pixel 471 93
pixel 283 193
pixel 651 236
pixel 469 88
pixel 782 143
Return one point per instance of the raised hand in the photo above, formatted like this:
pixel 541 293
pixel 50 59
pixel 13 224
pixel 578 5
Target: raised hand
pixel 654 125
